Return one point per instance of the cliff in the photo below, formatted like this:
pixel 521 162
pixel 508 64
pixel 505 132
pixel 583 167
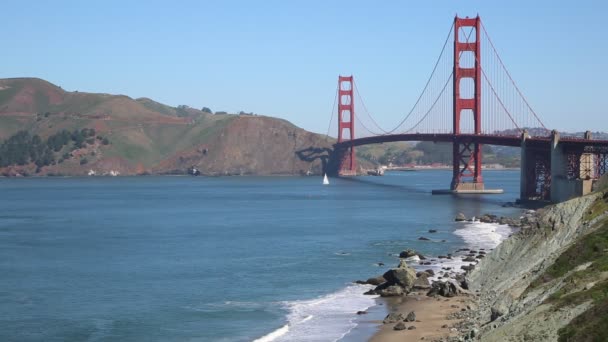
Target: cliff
pixel 549 281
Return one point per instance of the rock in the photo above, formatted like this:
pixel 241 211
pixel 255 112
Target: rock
pixel 589 286
pixel 480 256
pixel 411 327
pixel 469 259
pixel 375 280
pixel 407 253
pixel 390 291
pixel 442 257
pixel 360 282
pixel 422 257
pixel 472 251
pixel 393 318
pixel 462 280
pixel 467 268
pixel 399 326
pixel 460 217
pixel 422 282
pixel 422 238
pixel 474 332
pixel 432 230
pixel 403 276
pixel 380 264
pixel 446 289
pixel 430 272
pixel 361 312
pixel 498 311
pixel 411 317
pixel 485 219
pixel 370 293
pixel 445 326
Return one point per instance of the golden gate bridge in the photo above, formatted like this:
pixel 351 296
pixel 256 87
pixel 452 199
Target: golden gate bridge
pixel 470 99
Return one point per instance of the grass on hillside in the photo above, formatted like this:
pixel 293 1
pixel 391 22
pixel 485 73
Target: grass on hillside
pixel 592 247
pixel 591 325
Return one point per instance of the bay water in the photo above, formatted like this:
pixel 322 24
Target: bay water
pixel 217 259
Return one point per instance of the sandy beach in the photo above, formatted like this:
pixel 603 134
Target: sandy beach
pixel 431 318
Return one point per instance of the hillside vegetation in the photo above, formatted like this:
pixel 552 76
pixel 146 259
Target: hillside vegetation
pixel 138 136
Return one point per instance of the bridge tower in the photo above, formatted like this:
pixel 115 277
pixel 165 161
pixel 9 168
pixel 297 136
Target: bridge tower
pixel 467 155
pixel 346 124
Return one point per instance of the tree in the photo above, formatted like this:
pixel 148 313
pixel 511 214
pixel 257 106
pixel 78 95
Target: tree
pixel 206 110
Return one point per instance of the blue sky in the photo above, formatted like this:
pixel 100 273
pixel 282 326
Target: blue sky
pixel 282 58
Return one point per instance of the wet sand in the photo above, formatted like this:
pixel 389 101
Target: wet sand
pixel 431 315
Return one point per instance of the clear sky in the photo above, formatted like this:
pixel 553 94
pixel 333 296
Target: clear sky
pixel 282 58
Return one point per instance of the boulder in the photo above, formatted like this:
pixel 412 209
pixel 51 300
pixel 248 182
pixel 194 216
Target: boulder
pixel 448 288
pixel 495 312
pixel 390 291
pixel 370 293
pixel 430 272
pixel 432 230
pixel 480 256
pixel 399 326
pixel 469 259
pixel 460 217
pixel 375 280
pixel 422 282
pixel 393 318
pixel 422 238
pixel 403 276
pixel 407 253
pixel 467 267
pixel 411 327
pixel 361 312
pixel 411 317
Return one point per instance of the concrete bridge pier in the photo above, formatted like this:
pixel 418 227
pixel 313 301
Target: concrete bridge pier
pixel 571 171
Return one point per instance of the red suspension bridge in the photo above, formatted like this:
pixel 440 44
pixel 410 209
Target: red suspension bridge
pixel 483 105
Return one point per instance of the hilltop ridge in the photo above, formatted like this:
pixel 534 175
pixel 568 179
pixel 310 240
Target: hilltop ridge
pixel 145 136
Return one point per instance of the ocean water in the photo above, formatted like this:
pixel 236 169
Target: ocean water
pixel 217 259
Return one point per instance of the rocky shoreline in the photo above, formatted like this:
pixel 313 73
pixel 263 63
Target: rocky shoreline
pixel 546 282
pixel 435 290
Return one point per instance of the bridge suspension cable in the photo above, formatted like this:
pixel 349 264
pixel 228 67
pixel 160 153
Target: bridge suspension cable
pixel 411 111
pixel 491 44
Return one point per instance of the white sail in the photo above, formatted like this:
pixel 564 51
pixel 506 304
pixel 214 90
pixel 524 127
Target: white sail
pixel 325 180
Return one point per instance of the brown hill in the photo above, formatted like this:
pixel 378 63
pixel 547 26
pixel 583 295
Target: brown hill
pixel 149 137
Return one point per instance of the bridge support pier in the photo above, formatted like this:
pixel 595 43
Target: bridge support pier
pixel 535 172
pixel 573 172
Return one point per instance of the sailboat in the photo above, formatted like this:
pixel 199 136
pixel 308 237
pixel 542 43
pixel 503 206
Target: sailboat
pixel 325 180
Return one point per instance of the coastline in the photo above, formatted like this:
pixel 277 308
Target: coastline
pixel 438 317
pixel 432 318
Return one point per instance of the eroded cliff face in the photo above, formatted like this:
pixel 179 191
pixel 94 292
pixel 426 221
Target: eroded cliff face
pixel 535 283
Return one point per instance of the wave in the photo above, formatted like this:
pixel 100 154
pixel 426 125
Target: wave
pixel 476 235
pixel 326 318
pixel 274 335
pixel 483 235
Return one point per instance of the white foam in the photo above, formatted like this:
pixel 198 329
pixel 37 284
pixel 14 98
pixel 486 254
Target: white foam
pixel 327 318
pixel 483 235
pixel 476 235
pixel 274 335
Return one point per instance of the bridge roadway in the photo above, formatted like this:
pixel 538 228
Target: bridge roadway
pixel 485 139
